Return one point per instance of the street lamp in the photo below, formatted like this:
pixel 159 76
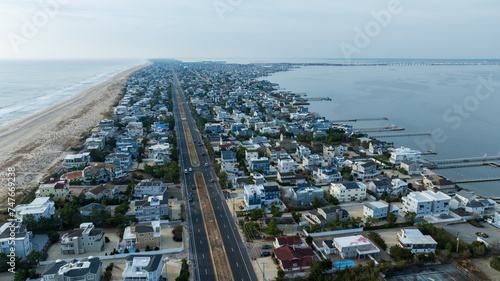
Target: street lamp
pixel 458 239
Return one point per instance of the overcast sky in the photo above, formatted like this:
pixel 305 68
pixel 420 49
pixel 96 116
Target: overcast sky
pixel 47 29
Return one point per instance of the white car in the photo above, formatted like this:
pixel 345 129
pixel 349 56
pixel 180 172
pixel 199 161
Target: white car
pixel 190 169
pixel 206 164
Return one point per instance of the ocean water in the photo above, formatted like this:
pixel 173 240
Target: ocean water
pixel 29 86
pixel 459 103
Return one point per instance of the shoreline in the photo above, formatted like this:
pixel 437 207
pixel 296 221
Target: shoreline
pixel 36 144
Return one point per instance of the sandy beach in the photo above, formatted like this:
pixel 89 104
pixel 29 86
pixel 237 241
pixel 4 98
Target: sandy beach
pixel 36 144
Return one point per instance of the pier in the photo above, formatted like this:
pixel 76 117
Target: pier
pixel 403 135
pixel 359 119
pixel 467 165
pixel 319 99
pixel 379 129
pixel 468 159
pixel 478 180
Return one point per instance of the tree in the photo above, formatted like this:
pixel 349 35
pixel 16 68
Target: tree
pixel 280 275
pixel 126 251
pixel 275 211
pixel 315 202
pixel 296 216
pixel 375 237
pixel 147 248
pixel 401 254
pixel 495 262
pixel 184 276
pixel 53 236
pixel 272 229
pixel 391 219
pixel 315 228
pixel 177 231
pixel 369 221
pixel 250 180
pixel 318 270
pixel 223 179
pixel 309 239
pixel 256 214
pixel 410 217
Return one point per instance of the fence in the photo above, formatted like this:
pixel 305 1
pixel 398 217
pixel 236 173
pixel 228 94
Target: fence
pixel 335 232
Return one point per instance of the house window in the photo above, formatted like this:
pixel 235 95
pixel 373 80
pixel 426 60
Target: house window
pixel 90 277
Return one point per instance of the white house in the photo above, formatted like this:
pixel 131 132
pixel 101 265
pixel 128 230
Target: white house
pixel 303 151
pixel 365 170
pixel 404 153
pixel 326 175
pixel 287 165
pixel 40 207
pixel 76 160
pixel 149 187
pixel 312 160
pixel 378 209
pixel 355 246
pixel 426 203
pixel 334 151
pixel 22 239
pixel 135 129
pixel 415 241
pixel 251 154
pixel 143 267
pixel 348 191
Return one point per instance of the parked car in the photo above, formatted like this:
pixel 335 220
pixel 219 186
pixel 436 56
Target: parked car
pixel 265 254
pixel 266 247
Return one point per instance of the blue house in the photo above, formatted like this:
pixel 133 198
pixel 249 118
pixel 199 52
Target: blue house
pixel 260 164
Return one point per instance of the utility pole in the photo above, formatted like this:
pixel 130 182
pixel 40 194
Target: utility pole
pixel 458 240
pixel 264 271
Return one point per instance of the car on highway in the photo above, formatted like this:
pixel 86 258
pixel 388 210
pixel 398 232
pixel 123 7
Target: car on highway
pixel 190 197
pixel 266 247
pixel 185 171
pixel 193 187
pixel 206 164
pixel 211 180
pixel 265 254
pixel 190 169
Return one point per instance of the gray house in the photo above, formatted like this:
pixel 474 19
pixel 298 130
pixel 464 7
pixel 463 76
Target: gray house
pixel 152 208
pixel 75 270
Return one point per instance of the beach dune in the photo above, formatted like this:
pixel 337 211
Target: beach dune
pixel 35 145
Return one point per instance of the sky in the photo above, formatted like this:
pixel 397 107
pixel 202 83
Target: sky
pixel 202 29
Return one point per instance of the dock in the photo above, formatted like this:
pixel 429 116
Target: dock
pixel 478 180
pixel 403 135
pixel 466 165
pixel 467 159
pixel 379 129
pixel 359 119
pixel 319 99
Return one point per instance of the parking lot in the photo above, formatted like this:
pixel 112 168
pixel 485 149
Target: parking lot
pixel 468 232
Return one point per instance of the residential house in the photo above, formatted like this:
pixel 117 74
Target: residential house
pixel 325 215
pixel 426 203
pixel 214 127
pixel 15 235
pixel 438 183
pixel 496 220
pixel 412 168
pixel 391 186
pixel 326 175
pixel 123 160
pixel 291 178
pixel 229 162
pixel 93 208
pixel 312 160
pixel 303 151
pixel 82 240
pixel 38 208
pixel 261 164
pixel 142 268
pixel 75 270
pixel 415 241
pixel 142 234
pixel 160 153
pixel 379 147
pixel 404 153
pixel 287 165
pixel 284 223
pixel 152 208
pixel 257 195
pixel 303 194
pixel 355 246
pixel 379 209
pixel 135 129
pixel 251 154
pixel 75 161
pixel 294 259
pixel 329 247
pixel 101 191
pixel 365 170
pixel 348 191
pixel 275 153
pixel 467 201
pixel 57 188
pixel 102 172
pixel 334 151
pixel 291 240
pixel 149 187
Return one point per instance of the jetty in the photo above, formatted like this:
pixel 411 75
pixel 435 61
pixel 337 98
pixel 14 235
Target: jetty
pixel 466 165
pixel 403 135
pixel 467 159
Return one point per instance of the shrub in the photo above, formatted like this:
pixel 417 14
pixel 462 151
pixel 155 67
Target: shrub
pixel 375 237
pixel 177 231
pixel 106 239
pixel 53 236
pixel 495 262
